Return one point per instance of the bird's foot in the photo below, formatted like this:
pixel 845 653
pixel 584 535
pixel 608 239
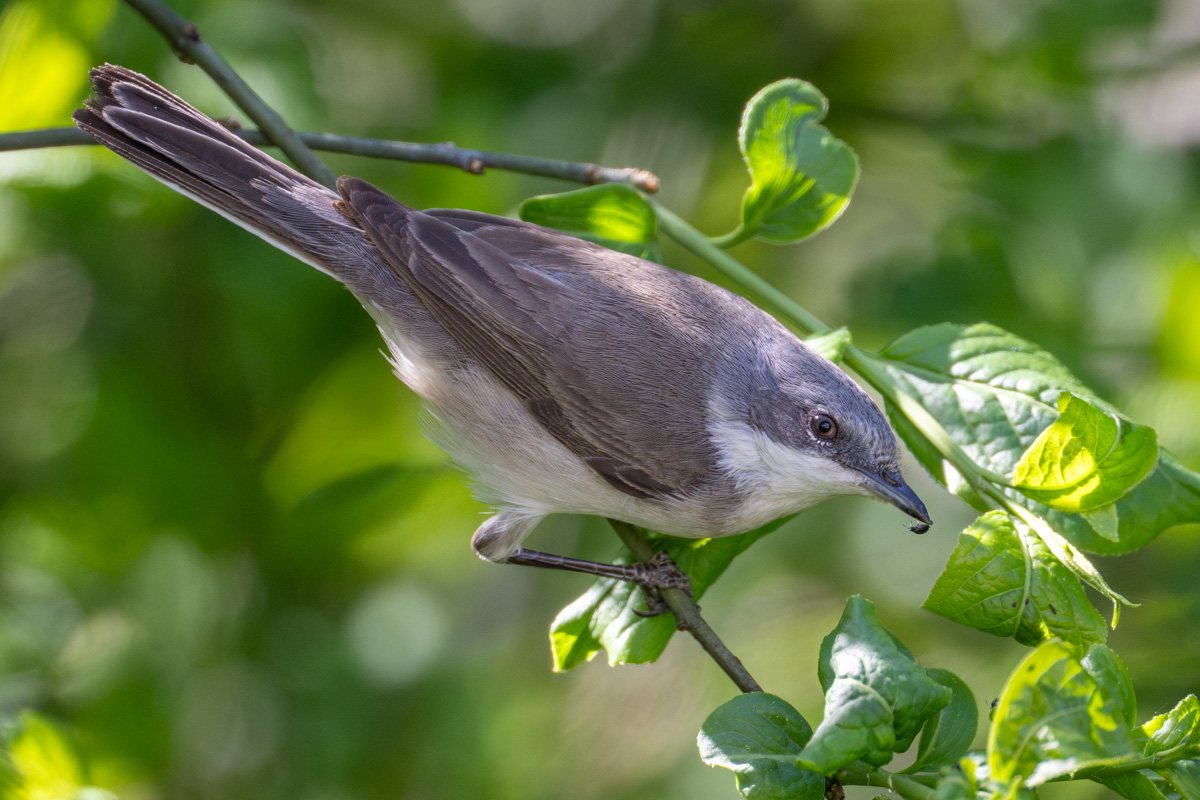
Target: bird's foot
pixel 660 572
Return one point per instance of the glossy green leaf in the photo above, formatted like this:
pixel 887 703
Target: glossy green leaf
pixel 1177 728
pixel 1003 580
pixel 758 737
pixel 1113 678
pixel 1135 785
pixel 1183 777
pixel 1104 522
pixel 1053 719
pixel 946 736
pixel 994 393
pixel 876 697
pixel 603 617
pixel 801 175
pixel 611 214
pixel 1086 459
pixel 831 345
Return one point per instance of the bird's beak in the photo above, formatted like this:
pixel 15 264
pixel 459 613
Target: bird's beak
pixel 891 487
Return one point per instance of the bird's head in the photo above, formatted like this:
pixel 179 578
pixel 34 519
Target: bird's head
pixel 802 430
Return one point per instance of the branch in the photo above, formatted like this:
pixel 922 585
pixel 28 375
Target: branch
pixel 472 161
pixel 186 41
pixel 44 137
pixel 687 613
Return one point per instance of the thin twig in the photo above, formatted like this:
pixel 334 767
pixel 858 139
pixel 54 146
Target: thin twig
pixel 44 137
pixel 186 41
pixel 473 161
pixel 687 613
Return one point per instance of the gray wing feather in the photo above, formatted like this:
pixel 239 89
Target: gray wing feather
pixel 612 354
pixel 488 303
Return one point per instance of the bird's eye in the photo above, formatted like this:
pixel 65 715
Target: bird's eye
pixel 823 426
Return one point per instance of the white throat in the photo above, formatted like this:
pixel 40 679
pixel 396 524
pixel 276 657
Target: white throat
pixel 773 479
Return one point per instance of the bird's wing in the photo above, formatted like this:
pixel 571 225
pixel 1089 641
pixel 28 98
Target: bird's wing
pixel 608 373
pixel 537 246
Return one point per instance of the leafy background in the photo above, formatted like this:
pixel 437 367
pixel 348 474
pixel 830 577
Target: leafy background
pixel 231 567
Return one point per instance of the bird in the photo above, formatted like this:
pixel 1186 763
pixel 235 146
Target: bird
pixel 563 376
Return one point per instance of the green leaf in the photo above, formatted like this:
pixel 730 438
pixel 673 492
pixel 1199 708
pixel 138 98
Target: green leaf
pixel 1177 728
pixel 1104 522
pixel 831 345
pixel 1183 777
pixel 614 215
pixel 994 393
pixel 1133 785
pixel 957 782
pixel 759 736
pixel 876 697
pixel 1111 675
pixel 603 617
pixel 1003 580
pixel 947 735
pixel 1086 459
pixel 801 175
pixel 1053 719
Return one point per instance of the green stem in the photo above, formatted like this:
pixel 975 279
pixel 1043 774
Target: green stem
pixel 473 161
pixel 186 41
pixel 735 237
pixel 1156 761
pixel 687 613
pixel 903 785
pixel 701 246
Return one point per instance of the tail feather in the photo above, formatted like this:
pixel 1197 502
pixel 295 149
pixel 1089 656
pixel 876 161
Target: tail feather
pixel 197 156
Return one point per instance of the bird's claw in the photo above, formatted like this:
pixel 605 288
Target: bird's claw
pixel 660 572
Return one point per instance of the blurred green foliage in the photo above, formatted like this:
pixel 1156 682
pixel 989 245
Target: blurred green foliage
pixel 231 567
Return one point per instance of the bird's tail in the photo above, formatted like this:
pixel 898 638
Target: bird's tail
pixel 197 156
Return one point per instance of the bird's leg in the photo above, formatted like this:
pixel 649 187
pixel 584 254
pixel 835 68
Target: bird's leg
pixel 496 538
pixel 658 573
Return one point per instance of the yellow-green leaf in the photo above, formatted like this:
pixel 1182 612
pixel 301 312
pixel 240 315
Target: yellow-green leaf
pixel 1086 459
pixel 612 214
pixel 801 175
pixel 1053 718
